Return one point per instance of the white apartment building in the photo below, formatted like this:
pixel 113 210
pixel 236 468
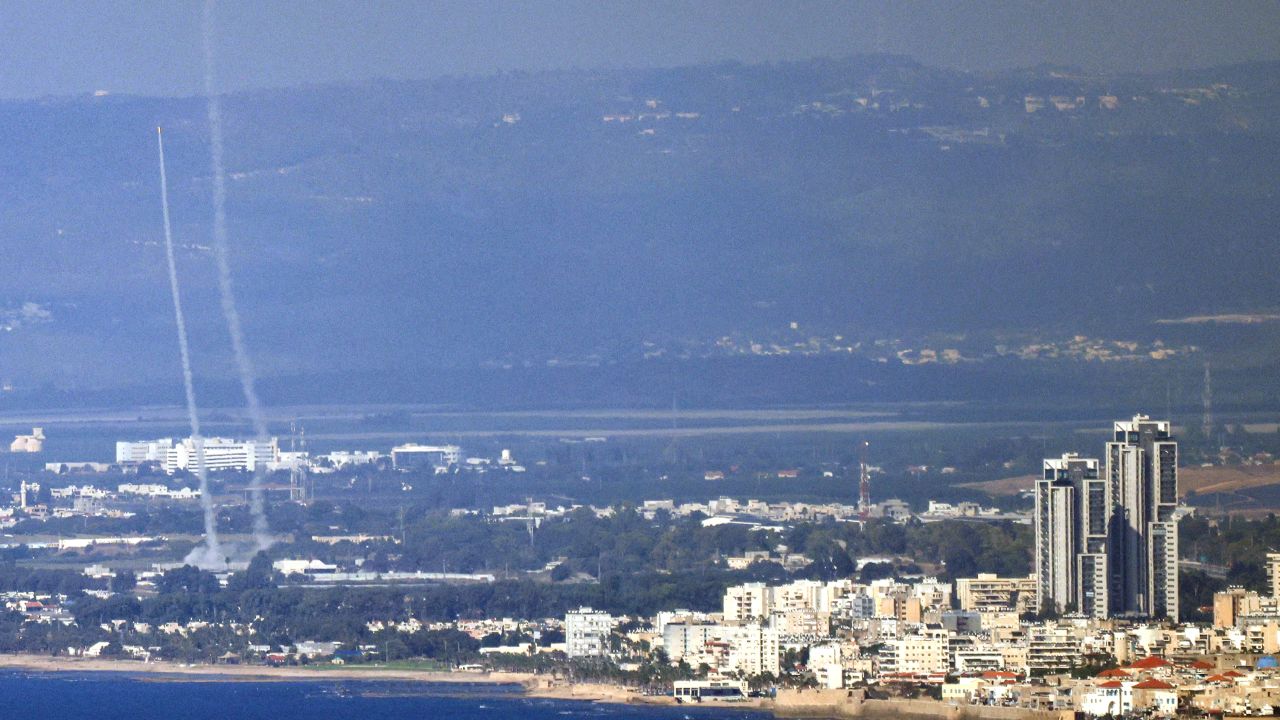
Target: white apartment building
pixel 827 663
pixel 743 603
pixel 746 602
pixel 804 595
pixel 586 633
pixel 924 653
pixel 750 649
pixel 753 649
pixel 682 641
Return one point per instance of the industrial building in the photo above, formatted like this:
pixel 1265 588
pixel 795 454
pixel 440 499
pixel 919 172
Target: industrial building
pixel 413 456
pixel 218 454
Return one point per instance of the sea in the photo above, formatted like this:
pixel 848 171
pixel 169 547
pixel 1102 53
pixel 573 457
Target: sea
pixel 112 696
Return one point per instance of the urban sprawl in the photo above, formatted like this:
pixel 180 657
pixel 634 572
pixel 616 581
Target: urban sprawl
pixel 1095 628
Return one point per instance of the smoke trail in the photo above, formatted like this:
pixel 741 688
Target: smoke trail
pixel 210 556
pixel 261 533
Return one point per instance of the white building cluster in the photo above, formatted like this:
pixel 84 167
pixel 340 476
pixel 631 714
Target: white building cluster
pixel 187 455
pixel 976 647
pixel 221 454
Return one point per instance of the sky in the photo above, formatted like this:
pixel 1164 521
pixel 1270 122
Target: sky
pixel 153 47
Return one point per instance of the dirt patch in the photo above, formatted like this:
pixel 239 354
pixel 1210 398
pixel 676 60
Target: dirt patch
pixel 1002 487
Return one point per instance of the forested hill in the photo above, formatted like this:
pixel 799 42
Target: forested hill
pixel 521 217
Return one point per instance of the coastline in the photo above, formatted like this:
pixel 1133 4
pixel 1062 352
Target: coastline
pixel 529 684
pixel 253 673
pixel 788 703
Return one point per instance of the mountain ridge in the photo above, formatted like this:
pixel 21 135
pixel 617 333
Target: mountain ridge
pixel 527 216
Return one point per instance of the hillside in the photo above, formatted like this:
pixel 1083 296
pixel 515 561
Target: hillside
pixel 593 216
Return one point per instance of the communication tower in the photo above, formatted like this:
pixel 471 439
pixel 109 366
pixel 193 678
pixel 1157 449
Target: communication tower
pixel 297 469
pixel 864 482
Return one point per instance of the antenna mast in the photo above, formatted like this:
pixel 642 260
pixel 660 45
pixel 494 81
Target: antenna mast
pixel 297 469
pixel 864 482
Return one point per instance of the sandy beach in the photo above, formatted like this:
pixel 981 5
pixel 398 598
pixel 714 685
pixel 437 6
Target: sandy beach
pixel 530 684
pixel 787 703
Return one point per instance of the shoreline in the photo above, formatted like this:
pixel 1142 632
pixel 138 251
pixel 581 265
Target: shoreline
pixel 527 684
pixel 255 673
pixel 810 703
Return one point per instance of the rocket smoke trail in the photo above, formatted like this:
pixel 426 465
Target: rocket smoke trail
pixel 211 554
pixel 261 533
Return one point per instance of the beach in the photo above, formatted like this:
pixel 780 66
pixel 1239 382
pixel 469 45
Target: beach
pixel 530 684
pixel 787 703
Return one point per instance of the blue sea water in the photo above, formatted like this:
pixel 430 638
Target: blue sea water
pixel 109 696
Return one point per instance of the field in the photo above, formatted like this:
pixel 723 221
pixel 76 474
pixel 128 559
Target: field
pixel 1239 489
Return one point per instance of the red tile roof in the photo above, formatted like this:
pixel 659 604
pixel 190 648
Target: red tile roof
pixel 1113 673
pixel 1202 665
pixel 1151 663
pixel 1112 684
pixel 1153 684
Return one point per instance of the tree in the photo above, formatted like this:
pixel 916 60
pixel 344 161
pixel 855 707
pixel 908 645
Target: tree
pixel 188 579
pixel 124 581
pixel 260 575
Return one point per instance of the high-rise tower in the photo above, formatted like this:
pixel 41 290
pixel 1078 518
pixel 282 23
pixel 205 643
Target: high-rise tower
pixel 1107 543
pixel 1070 515
pixel 1142 473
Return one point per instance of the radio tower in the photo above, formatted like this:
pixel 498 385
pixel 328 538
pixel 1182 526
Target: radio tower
pixel 864 483
pixel 297 471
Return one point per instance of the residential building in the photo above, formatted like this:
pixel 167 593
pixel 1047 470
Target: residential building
pixel 745 602
pixel 1273 574
pixel 1059 530
pixel 1107 542
pixel 586 633
pixel 750 648
pixel 1142 471
pixel 989 592
pixel 754 649
pixel 921 654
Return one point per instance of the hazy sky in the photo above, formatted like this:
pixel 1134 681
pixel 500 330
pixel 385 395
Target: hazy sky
pixel 153 46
